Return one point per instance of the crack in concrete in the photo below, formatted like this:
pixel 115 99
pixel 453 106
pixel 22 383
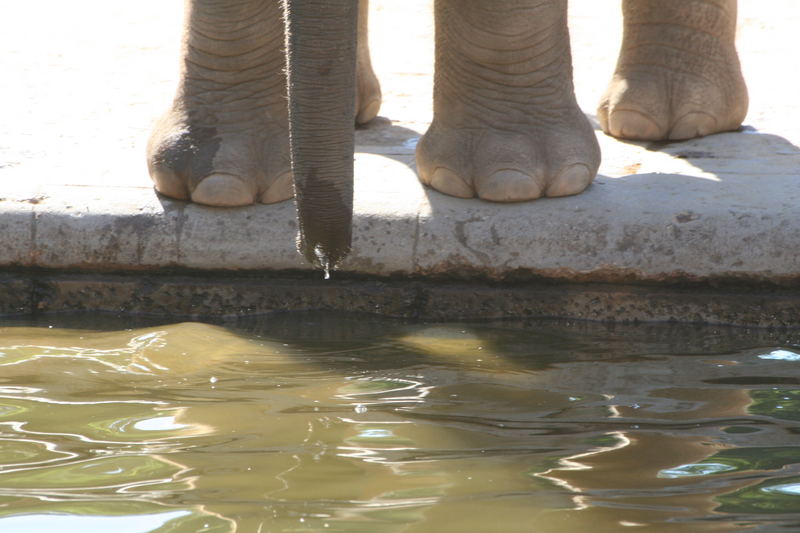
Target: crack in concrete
pixel 414 247
pixel 461 236
pixel 180 222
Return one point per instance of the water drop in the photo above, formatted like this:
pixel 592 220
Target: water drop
pixel 361 409
pixel 324 261
pixel 213 379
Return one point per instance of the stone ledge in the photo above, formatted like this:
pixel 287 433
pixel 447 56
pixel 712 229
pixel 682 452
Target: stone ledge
pixel 651 226
pixel 221 295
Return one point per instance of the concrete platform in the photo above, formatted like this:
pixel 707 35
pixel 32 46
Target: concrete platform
pixel 80 94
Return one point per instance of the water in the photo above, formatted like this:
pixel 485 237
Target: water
pixel 315 423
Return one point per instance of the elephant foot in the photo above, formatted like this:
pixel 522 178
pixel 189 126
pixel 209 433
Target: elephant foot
pixel 678 74
pixel 218 164
pixel 506 125
pixel 510 162
pixel 368 89
pixel 368 92
pixel 225 140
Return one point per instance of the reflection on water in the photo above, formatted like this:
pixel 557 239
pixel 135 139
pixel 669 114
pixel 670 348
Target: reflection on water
pixel 307 422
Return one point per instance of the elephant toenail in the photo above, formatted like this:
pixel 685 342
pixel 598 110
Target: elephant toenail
pixel 448 182
pixel 281 189
pixel 693 125
pixel 633 125
pixel 223 190
pixel 509 186
pixel 572 180
pixel 169 184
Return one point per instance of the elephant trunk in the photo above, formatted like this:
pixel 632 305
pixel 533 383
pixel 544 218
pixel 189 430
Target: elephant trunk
pixel 321 71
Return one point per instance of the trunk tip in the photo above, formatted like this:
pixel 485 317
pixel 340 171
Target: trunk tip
pixel 321 256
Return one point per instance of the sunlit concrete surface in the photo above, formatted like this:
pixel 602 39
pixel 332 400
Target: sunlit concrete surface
pixel 81 87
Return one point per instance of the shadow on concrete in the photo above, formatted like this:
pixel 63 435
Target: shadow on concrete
pixel 726 154
pixel 719 154
pixel 745 180
pixel 382 137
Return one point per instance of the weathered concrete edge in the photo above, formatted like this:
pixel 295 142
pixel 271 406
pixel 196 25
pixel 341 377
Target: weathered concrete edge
pixel 624 240
pixel 196 296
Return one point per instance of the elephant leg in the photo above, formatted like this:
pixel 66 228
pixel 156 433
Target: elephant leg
pixel 224 141
pixel 678 74
pixel 368 90
pixel 506 125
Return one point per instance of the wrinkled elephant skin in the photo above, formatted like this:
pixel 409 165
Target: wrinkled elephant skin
pixel 678 73
pixel 506 125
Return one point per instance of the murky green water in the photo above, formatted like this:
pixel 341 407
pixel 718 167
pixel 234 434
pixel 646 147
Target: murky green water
pixel 315 423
